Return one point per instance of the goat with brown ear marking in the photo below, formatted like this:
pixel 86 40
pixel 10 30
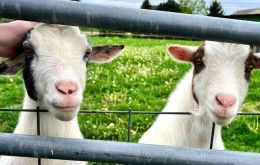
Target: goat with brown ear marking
pixel 213 91
pixel 54 70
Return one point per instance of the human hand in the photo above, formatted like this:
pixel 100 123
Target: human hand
pixel 11 37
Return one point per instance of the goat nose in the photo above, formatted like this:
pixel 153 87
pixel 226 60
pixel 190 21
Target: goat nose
pixel 67 87
pixel 225 100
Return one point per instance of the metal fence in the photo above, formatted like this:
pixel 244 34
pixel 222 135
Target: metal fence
pixel 118 152
pixel 129 114
pixel 113 155
pixel 127 20
pixel 132 20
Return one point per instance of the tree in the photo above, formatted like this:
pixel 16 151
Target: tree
pixel 146 5
pixel 186 9
pixel 185 6
pixel 194 6
pixel 215 9
pixel 170 5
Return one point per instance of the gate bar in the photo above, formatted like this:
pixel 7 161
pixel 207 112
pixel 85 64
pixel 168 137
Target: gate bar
pixel 132 20
pixel 117 152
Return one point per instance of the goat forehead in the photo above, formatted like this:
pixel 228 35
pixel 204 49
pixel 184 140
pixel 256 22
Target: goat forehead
pixel 58 40
pixel 226 51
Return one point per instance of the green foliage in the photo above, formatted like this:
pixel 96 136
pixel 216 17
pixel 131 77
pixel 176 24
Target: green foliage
pixel 182 6
pixel 187 10
pixel 215 9
pixel 170 5
pixel 194 6
pixel 142 78
pixel 186 6
pixel 146 5
pixel 244 132
pixel 4 20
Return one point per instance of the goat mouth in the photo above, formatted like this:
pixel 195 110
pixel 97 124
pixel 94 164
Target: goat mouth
pixel 65 108
pixel 222 118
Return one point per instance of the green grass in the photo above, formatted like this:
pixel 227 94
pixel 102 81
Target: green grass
pixel 141 79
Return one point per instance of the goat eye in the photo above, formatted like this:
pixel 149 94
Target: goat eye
pixel 27 47
pixel 251 67
pixel 199 61
pixel 88 52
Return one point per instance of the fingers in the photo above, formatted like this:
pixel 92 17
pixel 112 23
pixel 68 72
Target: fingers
pixel 12 35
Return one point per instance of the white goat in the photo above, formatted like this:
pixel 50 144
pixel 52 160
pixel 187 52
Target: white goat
pixel 54 75
pixel 213 91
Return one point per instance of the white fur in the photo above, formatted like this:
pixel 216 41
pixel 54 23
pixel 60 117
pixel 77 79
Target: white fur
pixel 60 51
pixel 224 72
pixel 50 126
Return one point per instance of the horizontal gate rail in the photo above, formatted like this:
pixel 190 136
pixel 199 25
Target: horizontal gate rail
pixel 117 152
pixel 133 112
pixel 132 20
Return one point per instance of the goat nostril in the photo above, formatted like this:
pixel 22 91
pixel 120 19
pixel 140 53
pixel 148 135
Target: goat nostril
pixel 218 101
pixel 66 87
pixel 61 91
pixel 70 91
pixel 225 100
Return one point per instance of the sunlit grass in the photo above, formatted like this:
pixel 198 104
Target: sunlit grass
pixel 141 79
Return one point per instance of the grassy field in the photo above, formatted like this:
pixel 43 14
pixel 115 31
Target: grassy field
pixel 141 79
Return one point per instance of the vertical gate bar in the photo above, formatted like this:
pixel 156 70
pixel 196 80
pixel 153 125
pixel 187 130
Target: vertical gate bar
pixel 38 121
pixel 38 129
pixel 212 135
pixel 129 125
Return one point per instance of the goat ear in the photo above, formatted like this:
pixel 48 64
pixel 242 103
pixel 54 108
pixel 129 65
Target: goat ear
pixel 11 66
pixel 257 59
pixel 182 53
pixel 104 54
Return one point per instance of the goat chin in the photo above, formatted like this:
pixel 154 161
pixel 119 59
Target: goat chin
pixel 66 114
